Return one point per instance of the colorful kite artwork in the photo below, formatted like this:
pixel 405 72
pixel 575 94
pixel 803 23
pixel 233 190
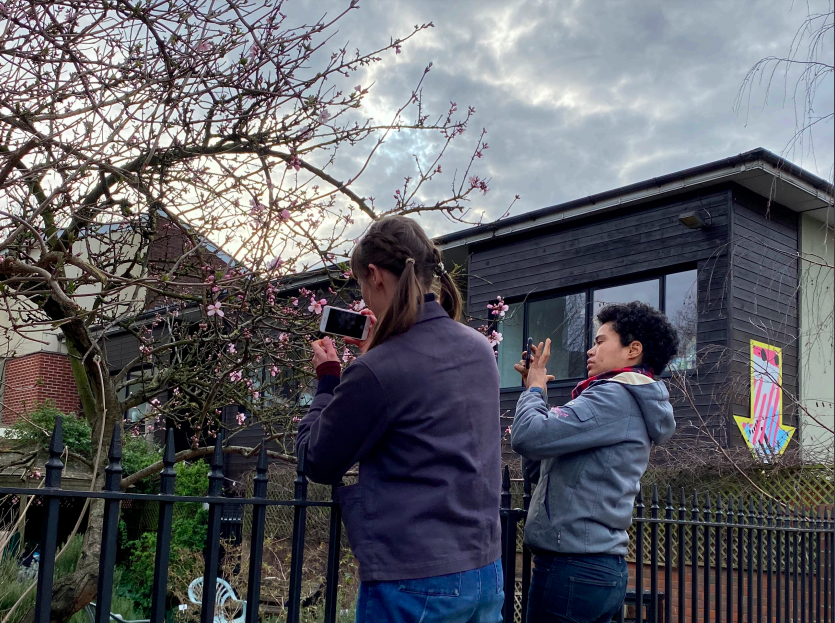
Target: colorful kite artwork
pixel 764 431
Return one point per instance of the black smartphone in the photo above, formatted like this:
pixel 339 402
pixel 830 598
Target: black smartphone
pixel 529 353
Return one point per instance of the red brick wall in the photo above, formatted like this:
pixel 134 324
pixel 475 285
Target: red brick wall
pixel 35 378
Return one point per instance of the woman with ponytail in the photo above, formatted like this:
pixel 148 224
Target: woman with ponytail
pixel 419 412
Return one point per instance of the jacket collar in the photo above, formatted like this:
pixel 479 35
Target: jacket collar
pixel 431 309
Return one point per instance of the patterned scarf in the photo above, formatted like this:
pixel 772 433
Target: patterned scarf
pixel 583 385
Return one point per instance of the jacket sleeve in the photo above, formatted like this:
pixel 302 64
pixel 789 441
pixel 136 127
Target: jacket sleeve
pixel 541 433
pixel 345 420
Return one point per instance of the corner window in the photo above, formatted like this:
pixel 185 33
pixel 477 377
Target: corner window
pixel 565 319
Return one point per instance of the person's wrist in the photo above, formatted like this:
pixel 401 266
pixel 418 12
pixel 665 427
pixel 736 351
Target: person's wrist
pixel 328 368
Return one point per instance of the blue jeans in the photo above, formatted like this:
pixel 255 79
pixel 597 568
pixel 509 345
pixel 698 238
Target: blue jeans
pixel 576 588
pixel 466 597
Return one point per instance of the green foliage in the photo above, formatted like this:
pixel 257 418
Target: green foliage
pixel 12 587
pixel 136 455
pixel 188 537
pixel 37 427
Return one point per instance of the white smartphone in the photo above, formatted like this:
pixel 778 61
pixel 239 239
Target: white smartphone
pixel 344 322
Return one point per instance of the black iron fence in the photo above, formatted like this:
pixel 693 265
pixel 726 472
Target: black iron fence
pixel 728 563
pixel 722 561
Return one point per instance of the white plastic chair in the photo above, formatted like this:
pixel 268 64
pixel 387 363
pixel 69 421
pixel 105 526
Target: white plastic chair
pixel 227 604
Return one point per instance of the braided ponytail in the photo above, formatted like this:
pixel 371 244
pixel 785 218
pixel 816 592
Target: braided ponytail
pixel 399 245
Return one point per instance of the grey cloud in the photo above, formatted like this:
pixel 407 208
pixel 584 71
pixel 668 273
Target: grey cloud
pixel 579 97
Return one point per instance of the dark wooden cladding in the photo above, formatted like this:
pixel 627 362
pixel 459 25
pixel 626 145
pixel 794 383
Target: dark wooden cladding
pixel 623 246
pixel 764 282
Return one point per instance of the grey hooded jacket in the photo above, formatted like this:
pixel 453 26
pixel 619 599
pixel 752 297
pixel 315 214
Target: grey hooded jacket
pixel 594 451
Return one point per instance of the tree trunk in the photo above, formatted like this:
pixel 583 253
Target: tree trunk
pixel 71 593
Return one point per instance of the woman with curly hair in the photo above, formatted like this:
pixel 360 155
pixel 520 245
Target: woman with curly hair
pixel 593 452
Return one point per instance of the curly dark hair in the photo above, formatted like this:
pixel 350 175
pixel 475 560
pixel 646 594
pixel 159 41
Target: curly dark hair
pixel 641 322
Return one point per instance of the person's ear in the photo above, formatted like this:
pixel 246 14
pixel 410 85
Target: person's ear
pixel 636 349
pixel 375 277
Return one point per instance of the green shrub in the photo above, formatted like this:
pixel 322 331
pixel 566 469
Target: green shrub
pixel 37 427
pixel 188 537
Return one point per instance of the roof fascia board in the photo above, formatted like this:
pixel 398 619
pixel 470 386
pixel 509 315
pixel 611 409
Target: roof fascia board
pixel 692 182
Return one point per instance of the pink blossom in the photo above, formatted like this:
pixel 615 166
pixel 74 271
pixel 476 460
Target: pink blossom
pixel 316 306
pixel 499 308
pixel 213 309
pixel 273 371
pixel 204 46
pixel 296 419
pixel 397 49
pixel 275 263
pixel 295 302
pixel 294 163
pixel 358 305
pixel 494 338
pixel 230 348
pixel 235 376
pixel 347 355
pixel 324 115
pixel 36 473
pixel 508 429
pixel 241 418
pixel 255 395
pixel 358 88
pixel 285 213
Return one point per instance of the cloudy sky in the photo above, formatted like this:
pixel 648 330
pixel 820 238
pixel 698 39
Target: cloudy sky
pixel 581 96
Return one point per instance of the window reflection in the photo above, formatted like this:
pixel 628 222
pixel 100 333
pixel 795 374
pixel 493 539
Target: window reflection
pixel 681 309
pixel 512 328
pixel 563 320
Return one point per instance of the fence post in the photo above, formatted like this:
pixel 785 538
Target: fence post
pixel 256 545
pixel 297 552
pixel 49 535
pixel 653 557
pixel 706 532
pixel 526 553
pixel 668 557
pixel 717 537
pixel 332 573
pixel 682 564
pixel 509 553
pixel 166 512
pixel 639 556
pixel 760 519
pixel 110 529
pixel 694 558
pixel 212 551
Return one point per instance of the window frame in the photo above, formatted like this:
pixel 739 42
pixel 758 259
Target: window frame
pixel 588 291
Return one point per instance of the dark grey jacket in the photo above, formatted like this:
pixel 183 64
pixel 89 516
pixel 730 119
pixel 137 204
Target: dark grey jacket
pixel 420 413
pixel 594 451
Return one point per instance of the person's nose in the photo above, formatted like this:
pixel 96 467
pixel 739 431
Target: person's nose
pixel 590 352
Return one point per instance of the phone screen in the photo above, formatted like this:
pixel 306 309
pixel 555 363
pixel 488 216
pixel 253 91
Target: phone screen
pixel 345 323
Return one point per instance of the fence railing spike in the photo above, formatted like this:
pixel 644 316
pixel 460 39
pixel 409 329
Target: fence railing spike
pixel 54 466
pixel 113 471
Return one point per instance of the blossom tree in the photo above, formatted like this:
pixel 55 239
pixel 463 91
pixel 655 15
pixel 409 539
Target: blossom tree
pixel 137 140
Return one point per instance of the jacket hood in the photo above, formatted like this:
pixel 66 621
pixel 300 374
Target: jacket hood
pixel 654 400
